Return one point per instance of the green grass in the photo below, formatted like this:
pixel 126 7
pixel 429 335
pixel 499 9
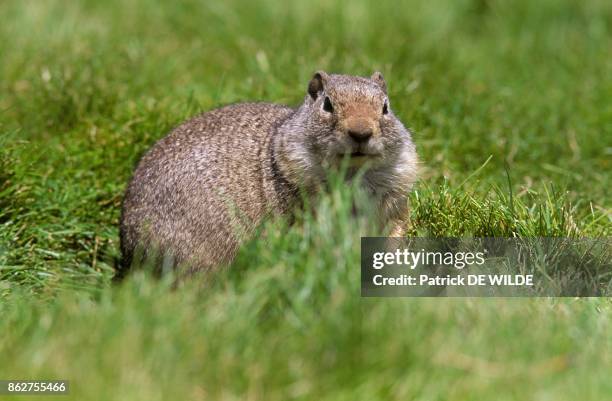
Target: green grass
pixel 511 108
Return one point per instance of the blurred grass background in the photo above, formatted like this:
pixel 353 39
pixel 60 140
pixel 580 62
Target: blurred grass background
pixel 511 108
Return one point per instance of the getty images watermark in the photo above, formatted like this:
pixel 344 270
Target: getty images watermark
pixel 486 267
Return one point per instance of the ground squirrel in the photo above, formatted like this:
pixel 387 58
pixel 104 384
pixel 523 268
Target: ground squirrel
pixel 203 188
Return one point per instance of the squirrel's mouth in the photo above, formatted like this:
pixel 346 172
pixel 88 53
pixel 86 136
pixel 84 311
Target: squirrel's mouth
pixel 353 154
pixel 358 158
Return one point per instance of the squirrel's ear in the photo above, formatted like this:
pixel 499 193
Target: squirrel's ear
pixel 317 84
pixel 378 78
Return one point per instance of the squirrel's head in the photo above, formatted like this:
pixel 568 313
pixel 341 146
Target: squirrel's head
pixel 343 117
pixel 350 117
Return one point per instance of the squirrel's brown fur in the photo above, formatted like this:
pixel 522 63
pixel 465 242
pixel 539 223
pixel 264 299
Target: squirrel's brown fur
pixel 203 188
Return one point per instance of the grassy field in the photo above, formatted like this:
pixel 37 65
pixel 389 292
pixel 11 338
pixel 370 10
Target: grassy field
pixel 511 108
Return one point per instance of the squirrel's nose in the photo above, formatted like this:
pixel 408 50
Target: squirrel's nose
pixel 361 135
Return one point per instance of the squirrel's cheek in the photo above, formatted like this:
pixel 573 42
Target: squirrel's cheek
pixel 325 116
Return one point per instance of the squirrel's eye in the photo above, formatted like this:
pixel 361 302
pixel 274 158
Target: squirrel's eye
pixel 327 106
pixel 385 108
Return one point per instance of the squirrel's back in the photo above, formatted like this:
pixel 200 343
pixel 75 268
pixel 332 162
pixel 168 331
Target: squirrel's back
pixel 202 184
